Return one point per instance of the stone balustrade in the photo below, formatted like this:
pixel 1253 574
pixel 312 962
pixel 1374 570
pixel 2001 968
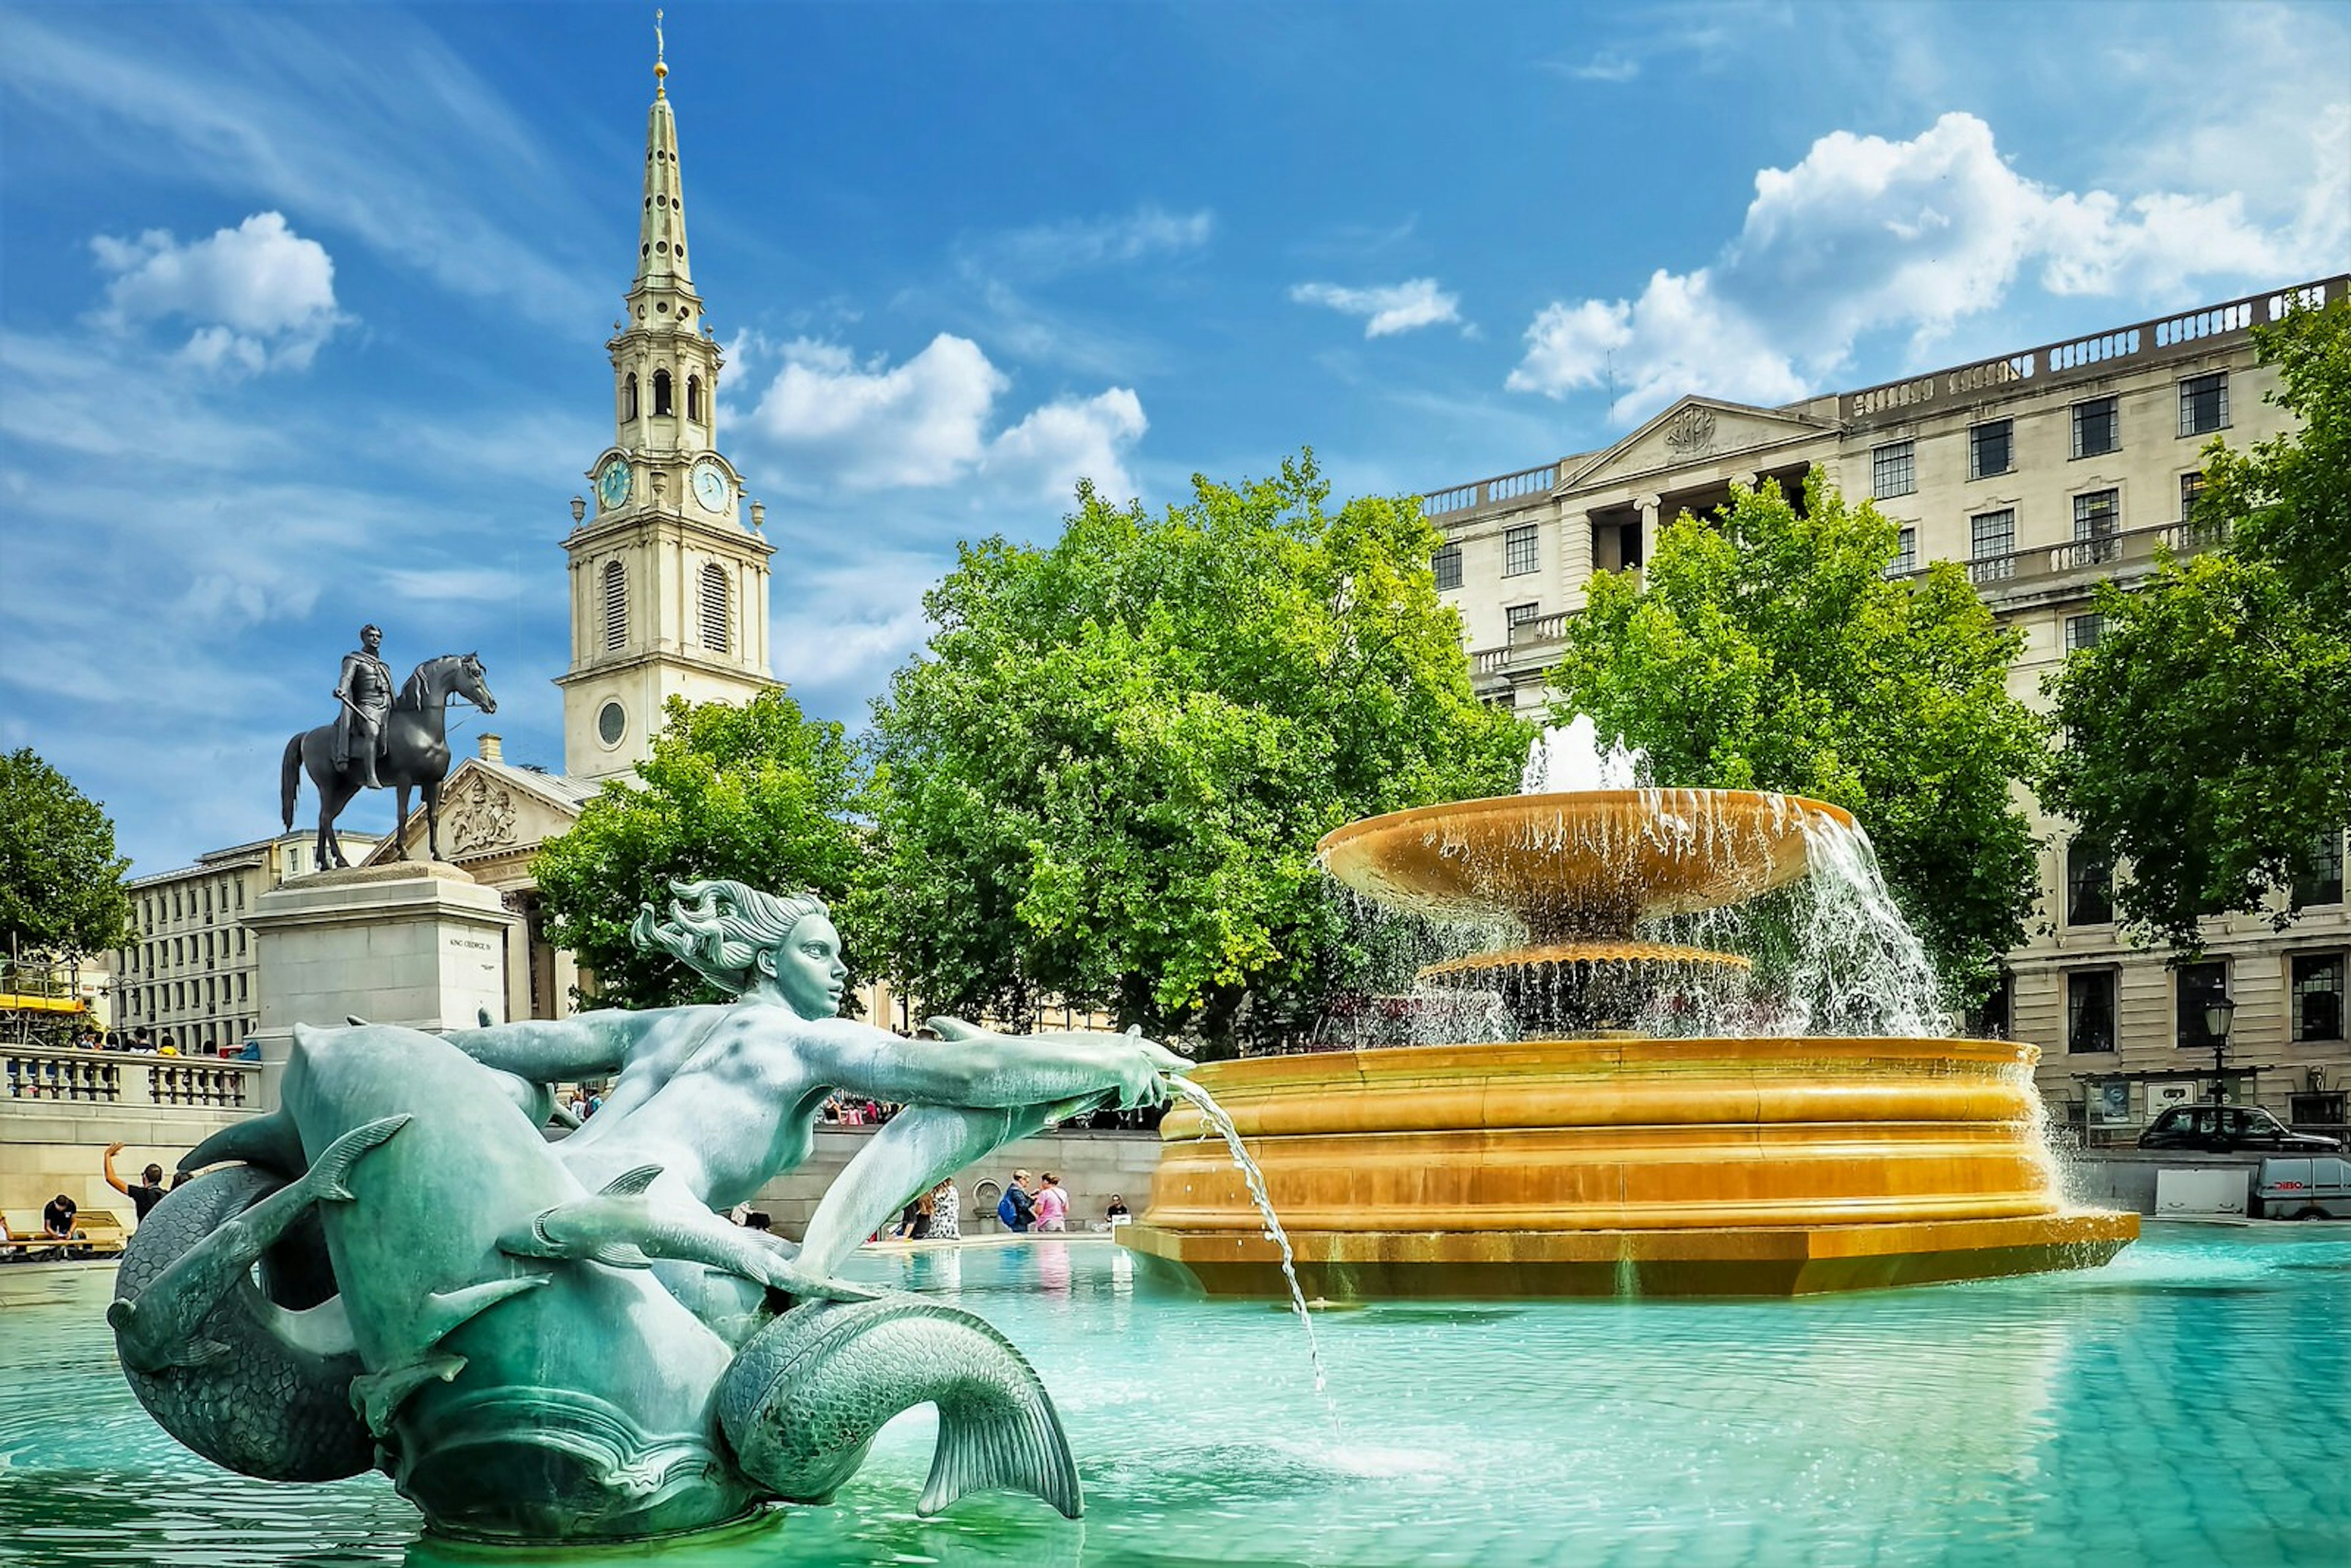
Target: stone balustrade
pixel 1487 493
pixel 128 1078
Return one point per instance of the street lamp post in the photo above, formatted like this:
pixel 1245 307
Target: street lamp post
pixel 2218 1013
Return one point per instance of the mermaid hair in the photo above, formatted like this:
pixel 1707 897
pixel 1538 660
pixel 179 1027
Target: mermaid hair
pixel 718 929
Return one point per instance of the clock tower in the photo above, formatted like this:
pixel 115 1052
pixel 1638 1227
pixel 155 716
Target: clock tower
pixel 669 570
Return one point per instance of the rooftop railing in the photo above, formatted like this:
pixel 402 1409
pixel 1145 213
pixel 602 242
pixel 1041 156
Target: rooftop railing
pixel 1489 493
pixel 2095 354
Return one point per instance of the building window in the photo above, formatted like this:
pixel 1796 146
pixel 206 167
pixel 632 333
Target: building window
pixel 2317 987
pixel 2204 403
pixel 2090 1010
pixel 1521 554
pixel 2089 885
pixel 1905 554
pixel 2320 880
pixel 616 607
pixel 2195 987
pixel 1991 449
pixel 716 622
pixel 1989 1019
pixel 661 393
pixel 693 398
pixel 629 397
pixel 1518 615
pixel 2097 427
pixel 241 986
pixel 1446 564
pixel 1894 469
pixel 1991 538
pixel 2097 518
pixel 2084 631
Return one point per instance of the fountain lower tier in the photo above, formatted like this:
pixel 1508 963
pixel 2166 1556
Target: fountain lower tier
pixel 1558 1167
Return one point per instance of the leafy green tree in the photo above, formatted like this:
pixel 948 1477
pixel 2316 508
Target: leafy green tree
pixel 1106 776
pixel 61 892
pixel 757 793
pixel 2207 732
pixel 1765 648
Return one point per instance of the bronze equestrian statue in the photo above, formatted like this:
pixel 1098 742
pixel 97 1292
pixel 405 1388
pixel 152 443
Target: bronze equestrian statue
pixel 401 743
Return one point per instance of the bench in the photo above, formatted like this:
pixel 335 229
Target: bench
pixel 101 1235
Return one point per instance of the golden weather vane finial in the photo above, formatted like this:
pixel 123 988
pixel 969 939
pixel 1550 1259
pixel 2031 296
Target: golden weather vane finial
pixel 660 65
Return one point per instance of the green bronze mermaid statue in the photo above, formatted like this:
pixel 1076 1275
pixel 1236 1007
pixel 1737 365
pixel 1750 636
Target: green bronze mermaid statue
pixel 555 1341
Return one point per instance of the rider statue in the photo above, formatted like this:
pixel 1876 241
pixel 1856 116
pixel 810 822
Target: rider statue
pixel 364 688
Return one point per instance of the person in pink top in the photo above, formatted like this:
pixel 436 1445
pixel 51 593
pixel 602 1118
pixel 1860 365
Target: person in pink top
pixel 1053 1205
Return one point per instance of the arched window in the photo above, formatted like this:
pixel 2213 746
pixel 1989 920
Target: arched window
pixel 661 393
pixel 616 607
pixel 629 398
pixel 716 620
pixel 694 399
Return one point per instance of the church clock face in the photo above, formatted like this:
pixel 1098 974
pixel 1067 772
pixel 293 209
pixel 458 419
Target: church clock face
pixel 612 483
pixel 710 486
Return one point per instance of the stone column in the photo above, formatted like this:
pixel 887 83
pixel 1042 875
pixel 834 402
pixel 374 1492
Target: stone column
pixel 1649 506
pixel 420 944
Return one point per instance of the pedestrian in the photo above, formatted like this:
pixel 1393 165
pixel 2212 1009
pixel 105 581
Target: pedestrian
pixel 147 1194
pixel 946 1223
pixel 1117 1209
pixel 1053 1205
pixel 1016 1207
pixel 57 1220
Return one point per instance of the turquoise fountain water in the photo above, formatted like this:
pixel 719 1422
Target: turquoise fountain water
pixel 2186 1405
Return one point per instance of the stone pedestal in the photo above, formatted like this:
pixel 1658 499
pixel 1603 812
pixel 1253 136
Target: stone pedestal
pixel 414 943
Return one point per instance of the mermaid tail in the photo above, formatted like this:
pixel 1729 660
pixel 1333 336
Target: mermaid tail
pixel 802 1402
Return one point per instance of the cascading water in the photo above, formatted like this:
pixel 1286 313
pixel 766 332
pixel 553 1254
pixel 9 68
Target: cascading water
pixel 1214 1115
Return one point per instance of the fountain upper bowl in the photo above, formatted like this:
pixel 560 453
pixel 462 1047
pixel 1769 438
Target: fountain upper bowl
pixel 1585 861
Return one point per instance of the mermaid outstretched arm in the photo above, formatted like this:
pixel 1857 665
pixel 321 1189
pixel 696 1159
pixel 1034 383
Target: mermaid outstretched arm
pixel 556 1050
pixel 968 1066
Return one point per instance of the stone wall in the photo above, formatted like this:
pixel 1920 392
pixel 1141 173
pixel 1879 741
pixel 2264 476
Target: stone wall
pixel 1091 1166
pixel 59 1110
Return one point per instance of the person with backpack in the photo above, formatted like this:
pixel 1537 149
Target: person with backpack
pixel 1017 1208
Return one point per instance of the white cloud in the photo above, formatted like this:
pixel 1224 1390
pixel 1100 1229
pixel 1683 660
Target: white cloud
pixel 876 425
pixel 870 425
pixel 260 296
pixel 1073 439
pixel 1606 65
pixel 1394 308
pixel 1866 235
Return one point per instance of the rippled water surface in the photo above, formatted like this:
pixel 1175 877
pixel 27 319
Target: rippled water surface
pixel 2190 1404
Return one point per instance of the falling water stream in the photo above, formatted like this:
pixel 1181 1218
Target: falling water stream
pixel 1214 1115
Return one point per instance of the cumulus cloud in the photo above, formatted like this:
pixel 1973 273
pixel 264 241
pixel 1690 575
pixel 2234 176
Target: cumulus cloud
pixel 1073 439
pixel 934 420
pixel 1395 308
pixel 259 295
pixel 1867 235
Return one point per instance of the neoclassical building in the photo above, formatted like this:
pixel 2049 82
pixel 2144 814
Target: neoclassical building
pixel 2044 471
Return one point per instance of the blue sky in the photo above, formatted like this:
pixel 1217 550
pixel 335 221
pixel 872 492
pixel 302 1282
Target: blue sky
pixel 302 307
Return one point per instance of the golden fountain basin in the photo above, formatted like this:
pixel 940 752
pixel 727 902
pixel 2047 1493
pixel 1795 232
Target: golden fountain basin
pixel 1625 1165
pixel 1591 862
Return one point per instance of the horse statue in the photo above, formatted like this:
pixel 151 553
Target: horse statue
pixel 416 754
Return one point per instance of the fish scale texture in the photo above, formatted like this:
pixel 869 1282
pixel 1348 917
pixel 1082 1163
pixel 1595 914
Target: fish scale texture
pixel 264 1408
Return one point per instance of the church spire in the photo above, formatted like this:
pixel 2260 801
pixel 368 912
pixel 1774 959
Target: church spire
pixel 661 227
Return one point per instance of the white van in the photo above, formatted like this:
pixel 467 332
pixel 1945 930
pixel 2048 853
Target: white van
pixel 2292 1186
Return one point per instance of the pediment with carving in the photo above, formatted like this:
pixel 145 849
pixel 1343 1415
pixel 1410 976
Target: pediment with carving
pixel 1694 431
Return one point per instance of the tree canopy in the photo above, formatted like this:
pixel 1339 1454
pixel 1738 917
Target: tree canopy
pixel 758 793
pixel 1766 648
pixel 1106 775
pixel 61 890
pixel 2207 732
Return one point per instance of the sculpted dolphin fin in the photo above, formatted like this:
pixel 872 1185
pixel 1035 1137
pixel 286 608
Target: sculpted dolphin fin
pixel 159 1328
pixel 378 1396
pixel 631 1182
pixel 443 1312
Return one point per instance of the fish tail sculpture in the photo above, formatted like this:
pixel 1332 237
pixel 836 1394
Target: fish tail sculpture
pixel 803 1400
pixel 246 1382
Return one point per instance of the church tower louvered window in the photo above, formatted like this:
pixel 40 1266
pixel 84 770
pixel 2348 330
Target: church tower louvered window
pixel 716 620
pixel 616 606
